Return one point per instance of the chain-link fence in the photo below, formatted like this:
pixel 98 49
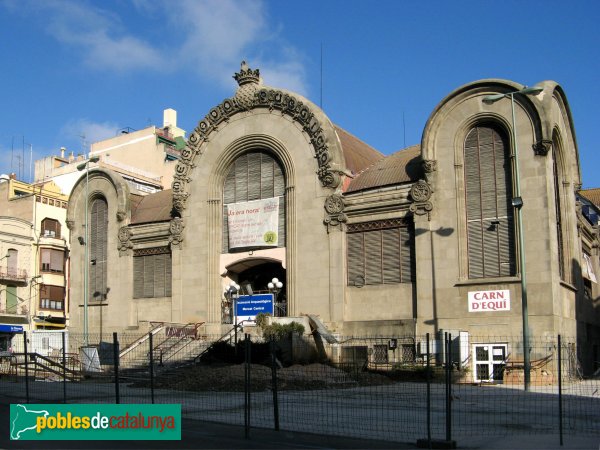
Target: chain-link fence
pixel 396 388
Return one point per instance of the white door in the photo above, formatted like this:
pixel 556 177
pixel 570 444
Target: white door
pixel 489 361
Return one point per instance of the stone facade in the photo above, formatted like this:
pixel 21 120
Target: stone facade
pixel 423 191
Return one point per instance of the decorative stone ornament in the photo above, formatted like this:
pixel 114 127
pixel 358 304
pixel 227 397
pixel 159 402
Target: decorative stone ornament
pixel 124 240
pixel 334 206
pixel 175 231
pixel 420 192
pixel 542 147
pixel 429 165
pixel 251 95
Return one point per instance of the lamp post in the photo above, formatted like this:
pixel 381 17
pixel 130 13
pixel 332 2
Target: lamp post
pixel 517 202
pixel 275 287
pixel 230 293
pixel 86 166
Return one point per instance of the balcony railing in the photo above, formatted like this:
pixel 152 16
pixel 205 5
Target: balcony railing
pixel 18 276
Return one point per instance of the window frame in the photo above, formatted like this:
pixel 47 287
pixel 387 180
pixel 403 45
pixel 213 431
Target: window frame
pixel 53 231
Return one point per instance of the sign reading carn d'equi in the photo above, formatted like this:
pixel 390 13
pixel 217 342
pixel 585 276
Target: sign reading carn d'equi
pixel 253 224
pixel 483 301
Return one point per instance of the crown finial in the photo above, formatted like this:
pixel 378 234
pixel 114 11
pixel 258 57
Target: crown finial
pixel 247 75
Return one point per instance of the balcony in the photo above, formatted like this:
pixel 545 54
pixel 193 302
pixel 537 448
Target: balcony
pixel 17 277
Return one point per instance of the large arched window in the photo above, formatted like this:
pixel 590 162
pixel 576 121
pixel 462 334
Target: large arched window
pixel 488 190
pixel 98 237
pixel 556 176
pixel 255 175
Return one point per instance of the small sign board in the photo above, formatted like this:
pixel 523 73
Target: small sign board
pixel 248 306
pixel 11 328
pixel 486 301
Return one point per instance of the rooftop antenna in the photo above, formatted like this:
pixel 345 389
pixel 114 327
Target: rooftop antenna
pixel 321 100
pixel 404 128
pixel 83 144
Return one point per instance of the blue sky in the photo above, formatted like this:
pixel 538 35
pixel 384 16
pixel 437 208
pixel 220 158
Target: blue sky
pixel 83 68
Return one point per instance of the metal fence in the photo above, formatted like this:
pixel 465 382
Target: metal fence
pixel 393 388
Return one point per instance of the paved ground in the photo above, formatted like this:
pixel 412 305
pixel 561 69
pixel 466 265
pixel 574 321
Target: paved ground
pixel 490 418
pixel 198 434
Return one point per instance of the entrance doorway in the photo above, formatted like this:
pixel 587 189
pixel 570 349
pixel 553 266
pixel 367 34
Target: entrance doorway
pixel 253 275
pixel 489 361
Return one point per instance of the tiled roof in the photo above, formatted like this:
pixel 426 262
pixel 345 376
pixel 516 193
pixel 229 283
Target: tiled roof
pixel 593 195
pixel 358 155
pixel 400 167
pixel 152 208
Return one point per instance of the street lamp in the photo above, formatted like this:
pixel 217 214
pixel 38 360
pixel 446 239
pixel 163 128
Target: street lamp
pixel 517 202
pixel 230 293
pixel 5 256
pixel 275 287
pixel 86 166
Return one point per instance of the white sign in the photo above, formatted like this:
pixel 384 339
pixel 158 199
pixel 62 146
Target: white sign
pixel 253 224
pixel 482 301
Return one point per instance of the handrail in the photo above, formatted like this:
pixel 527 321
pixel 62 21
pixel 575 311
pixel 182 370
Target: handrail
pixel 222 338
pixel 51 362
pixel 140 340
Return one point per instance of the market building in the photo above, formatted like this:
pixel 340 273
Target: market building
pixel 434 238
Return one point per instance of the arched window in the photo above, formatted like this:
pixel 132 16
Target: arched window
pixel 490 216
pixel 12 262
pixel 558 207
pixel 51 228
pixel 253 176
pixel 98 237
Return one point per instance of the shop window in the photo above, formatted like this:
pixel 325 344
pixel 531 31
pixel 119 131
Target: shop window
pixel 152 273
pixel 490 216
pixel 380 253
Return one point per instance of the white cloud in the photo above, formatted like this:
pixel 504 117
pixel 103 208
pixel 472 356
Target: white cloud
pixel 84 130
pixel 208 37
pixel 103 41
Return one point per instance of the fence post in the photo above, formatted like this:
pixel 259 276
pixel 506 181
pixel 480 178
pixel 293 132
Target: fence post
pixel 428 376
pixel 26 366
pixel 64 363
pixel 247 359
pixel 274 385
pixel 151 366
pixel 560 412
pixel 116 365
pixel 449 388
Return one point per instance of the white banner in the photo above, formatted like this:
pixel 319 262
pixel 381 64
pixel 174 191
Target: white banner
pixel 482 301
pixel 253 224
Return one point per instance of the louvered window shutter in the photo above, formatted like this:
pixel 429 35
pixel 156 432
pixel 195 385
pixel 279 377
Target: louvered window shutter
pixel 168 274
pixel 356 259
pixel 373 260
pixel 380 253
pixel 159 275
pixel 490 224
pixel 98 249
pixel 56 261
pixel 391 255
pixel 138 276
